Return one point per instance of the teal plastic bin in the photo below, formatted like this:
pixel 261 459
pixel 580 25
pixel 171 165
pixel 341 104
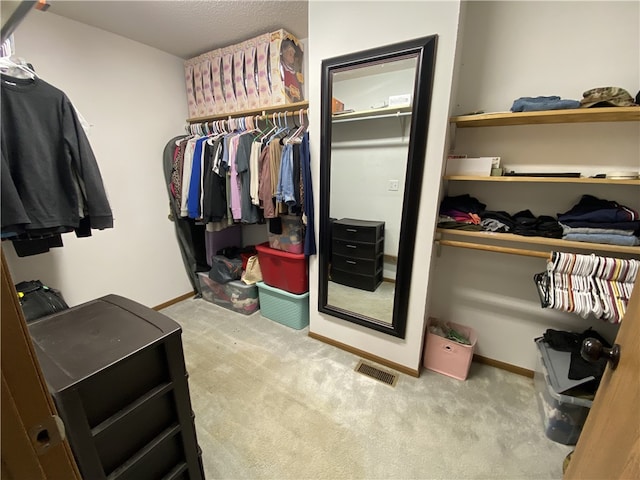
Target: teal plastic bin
pixel 283 307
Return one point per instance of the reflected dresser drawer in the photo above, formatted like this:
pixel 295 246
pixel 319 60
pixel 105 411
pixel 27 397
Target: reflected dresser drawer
pixel 357 265
pixel 358 230
pixel 357 253
pixel 363 250
pixel 355 280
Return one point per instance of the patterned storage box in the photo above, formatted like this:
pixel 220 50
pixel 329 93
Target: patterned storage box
pixel 235 295
pixel 263 71
pixel 283 307
pixel 287 79
pixel 290 240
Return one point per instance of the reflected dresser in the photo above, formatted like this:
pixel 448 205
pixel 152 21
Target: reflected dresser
pixel 357 253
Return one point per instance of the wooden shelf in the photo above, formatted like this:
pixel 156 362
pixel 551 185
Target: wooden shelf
pixel 579 115
pixel 373 113
pixel 584 180
pixel 548 242
pixel 288 107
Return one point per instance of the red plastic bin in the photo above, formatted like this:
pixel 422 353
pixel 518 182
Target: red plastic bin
pixel 284 270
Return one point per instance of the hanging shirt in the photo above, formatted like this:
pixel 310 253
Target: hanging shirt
pixel 297 181
pixel 249 212
pixel 254 167
pixel 50 176
pixel 176 174
pixel 226 145
pixel 264 186
pixel 186 175
pixel 236 207
pixel 214 201
pixel 285 192
pixel 193 201
pixel 275 154
pixel 305 163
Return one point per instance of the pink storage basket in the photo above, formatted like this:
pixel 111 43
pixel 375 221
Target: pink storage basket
pixel 447 356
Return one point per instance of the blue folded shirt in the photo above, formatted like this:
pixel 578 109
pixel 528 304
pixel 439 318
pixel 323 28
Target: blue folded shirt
pixel 531 104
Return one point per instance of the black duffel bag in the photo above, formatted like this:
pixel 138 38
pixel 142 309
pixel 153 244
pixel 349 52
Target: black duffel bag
pixel 38 300
pixel 225 269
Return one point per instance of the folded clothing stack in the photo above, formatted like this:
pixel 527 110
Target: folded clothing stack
pixel 601 221
pixel 464 212
pixel 461 212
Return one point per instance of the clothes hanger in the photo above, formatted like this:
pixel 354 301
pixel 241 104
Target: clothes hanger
pixel 273 132
pixel 284 125
pixel 267 127
pixel 16 67
pixel 296 137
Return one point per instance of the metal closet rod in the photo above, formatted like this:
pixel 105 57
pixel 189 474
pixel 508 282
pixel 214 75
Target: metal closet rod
pixel 337 119
pixel 493 248
pixel 288 113
pixel 261 115
pixel 18 14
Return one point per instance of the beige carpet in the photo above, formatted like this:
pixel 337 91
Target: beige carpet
pixel 378 304
pixel 270 402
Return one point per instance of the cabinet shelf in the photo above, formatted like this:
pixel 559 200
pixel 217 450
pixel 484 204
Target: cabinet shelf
pixel 470 236
pixel 583 180
pixel 288 107
pixel 578 115
pixel 372 114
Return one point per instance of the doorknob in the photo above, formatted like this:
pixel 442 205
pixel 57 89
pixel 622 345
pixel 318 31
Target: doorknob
pixel 592 350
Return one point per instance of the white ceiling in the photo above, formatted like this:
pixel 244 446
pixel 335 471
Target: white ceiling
pixel 187 28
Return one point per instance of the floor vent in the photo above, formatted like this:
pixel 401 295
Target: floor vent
pixel 377 374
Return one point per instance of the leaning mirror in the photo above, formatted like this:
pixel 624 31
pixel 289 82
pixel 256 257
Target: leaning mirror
pixel 375 116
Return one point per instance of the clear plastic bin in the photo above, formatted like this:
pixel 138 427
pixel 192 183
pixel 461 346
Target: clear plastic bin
pixel 563 416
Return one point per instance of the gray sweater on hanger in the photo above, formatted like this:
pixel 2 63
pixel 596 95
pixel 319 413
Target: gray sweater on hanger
pixel 50 177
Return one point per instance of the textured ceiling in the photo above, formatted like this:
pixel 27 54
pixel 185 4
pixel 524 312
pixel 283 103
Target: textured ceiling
pixel 187 28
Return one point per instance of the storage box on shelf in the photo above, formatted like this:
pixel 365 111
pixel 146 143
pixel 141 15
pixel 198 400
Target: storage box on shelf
pixel 262 71
pixel 234 295
pixel 284 270
pixel 286 75
pixel 448 356
pixel 290 237
pixel 284 307
pixel 480 166
pixel 116 372
pixel 563 415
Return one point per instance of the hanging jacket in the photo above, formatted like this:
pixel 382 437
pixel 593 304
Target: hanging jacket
pixel 50 177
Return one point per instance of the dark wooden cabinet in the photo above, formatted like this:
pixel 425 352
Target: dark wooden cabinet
pixel 116 371
pixel 357 253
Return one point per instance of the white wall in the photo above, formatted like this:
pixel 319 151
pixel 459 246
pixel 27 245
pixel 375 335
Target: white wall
pixel 374 151
pixel 134 96
pixel 512 50
pixel 371 87
pixel 337 28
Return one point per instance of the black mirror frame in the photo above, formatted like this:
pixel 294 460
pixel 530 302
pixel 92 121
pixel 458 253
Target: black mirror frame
pixel 425 49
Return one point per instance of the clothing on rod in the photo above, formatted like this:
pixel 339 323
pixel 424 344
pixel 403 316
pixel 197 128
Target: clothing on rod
pixel 236 172
pixel 51 182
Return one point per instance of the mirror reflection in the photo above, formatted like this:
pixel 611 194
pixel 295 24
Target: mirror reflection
pixel 371 116
pixel 375 120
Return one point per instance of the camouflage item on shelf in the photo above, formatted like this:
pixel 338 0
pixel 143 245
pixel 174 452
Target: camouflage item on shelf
pixel 606 96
